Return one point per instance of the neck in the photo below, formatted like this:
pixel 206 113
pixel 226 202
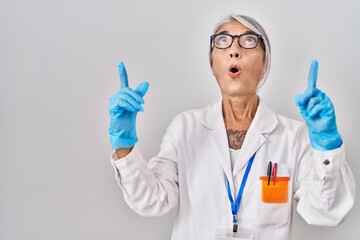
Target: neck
pixel 239 109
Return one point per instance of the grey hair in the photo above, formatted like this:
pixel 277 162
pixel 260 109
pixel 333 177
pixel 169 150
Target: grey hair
pixel 257 28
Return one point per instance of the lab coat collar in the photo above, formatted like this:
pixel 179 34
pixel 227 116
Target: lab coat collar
pixel 265 119
pixel 264 122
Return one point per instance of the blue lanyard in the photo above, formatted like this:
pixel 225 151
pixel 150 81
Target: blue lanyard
pixel 235 206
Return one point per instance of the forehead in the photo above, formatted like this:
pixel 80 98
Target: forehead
pixel 233 27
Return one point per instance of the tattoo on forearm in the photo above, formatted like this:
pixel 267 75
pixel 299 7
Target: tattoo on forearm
pixel 235 138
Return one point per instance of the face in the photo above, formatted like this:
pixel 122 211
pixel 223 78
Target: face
pixel 248 62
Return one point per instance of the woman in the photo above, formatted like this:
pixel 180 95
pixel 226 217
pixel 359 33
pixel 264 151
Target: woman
pixel 233 167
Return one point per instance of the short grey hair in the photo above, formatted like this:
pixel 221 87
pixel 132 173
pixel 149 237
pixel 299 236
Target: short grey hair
pixel 257 28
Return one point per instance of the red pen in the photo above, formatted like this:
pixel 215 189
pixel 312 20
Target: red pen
pixel 274 173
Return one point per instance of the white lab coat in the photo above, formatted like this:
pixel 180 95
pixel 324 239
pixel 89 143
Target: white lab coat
pixel 189 173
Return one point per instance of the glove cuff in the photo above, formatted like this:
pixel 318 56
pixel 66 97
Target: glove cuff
pixel 325 142
pixel 118 143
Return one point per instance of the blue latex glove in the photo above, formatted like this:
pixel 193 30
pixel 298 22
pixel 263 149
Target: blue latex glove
pixel 318 112
pixel 124 107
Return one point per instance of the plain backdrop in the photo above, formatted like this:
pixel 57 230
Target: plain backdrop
pixel 58 69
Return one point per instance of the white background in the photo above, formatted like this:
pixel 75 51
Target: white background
pixel 58 69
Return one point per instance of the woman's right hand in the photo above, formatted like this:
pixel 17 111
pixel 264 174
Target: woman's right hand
pixel 123 109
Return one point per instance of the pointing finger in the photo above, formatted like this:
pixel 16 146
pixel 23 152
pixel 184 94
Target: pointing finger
pixel 123 75
pixel 313 73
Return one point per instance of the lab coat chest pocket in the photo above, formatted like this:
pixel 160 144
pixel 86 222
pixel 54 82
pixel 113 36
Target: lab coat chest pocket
pixel 274 198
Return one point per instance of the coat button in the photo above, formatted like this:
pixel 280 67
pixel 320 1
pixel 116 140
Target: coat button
pixel 326 162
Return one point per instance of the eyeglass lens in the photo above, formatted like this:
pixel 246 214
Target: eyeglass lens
pixel 246 40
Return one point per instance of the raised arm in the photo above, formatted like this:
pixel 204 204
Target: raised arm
pixel 123 109
pixel 325 186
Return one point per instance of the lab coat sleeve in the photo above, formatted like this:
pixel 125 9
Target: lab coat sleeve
pixel 325 186
pixel 150 189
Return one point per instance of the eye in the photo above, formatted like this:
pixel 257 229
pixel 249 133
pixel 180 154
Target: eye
pixel 222 41
pixel 249 41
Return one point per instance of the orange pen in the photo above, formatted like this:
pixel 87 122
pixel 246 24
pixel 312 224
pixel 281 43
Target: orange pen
pixel 274 173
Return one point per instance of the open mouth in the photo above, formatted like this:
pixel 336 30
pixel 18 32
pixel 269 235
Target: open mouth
pixel 234 71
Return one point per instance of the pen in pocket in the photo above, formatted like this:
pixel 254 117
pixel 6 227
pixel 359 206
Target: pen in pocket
pixel 269 171
pixel 274 172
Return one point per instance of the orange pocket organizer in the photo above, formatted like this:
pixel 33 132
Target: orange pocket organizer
pixel 275 193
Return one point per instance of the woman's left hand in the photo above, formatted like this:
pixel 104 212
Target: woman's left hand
pixel 318 112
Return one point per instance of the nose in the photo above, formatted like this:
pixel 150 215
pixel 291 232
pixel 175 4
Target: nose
pixel 234 54
pixel 235 51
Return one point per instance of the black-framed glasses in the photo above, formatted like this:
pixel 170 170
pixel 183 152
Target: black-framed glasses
pixel 225 40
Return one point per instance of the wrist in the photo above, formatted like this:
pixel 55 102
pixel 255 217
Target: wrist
pixel 325 142
pixel 122 143
pixel 122 152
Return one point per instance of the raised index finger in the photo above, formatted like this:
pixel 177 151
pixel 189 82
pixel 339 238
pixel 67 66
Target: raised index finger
pixel 123 75
pixel 313 73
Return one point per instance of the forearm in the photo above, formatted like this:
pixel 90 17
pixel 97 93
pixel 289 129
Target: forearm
pixel 328 192
pixel 148 191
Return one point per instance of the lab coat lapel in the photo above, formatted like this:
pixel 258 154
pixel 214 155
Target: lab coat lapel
pixel 264 122
pixel 253 141
pixel 213 120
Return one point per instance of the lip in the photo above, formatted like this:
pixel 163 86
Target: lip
pixel 234 74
